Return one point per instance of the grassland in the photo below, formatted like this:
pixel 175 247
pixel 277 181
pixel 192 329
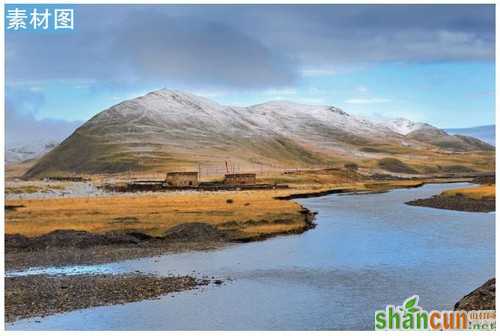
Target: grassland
pixel 477 193
pixel 250 213
pixel 246 215
pixel 235 216
pixel 473 199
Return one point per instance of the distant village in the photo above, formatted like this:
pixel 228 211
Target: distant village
pixel 190 180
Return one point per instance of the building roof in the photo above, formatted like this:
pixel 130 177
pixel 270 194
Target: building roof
pixel 241 175
pixel 182 173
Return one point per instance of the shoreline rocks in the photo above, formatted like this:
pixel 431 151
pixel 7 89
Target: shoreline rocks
pixel 66 247
pixel 482 298
pixel 42 295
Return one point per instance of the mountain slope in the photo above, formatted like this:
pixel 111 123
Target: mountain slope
pixel 15 153
pixel 483 133
pixel 441 139
pixel 168 129
pixel 429 134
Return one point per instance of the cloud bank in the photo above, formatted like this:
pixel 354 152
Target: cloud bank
pixel 248 46
pixel 236 47
pixel 22 126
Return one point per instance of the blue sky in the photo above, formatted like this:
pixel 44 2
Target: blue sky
pixel 426 63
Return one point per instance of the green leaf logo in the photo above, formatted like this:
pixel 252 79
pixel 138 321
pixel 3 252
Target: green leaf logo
pixel 410 304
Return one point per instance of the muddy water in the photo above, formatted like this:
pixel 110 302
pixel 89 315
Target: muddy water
pixel 367 251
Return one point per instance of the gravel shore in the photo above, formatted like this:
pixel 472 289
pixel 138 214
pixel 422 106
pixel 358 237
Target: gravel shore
pixel 41 295
pixel 69 247
pixel 459 203
pixel 56 256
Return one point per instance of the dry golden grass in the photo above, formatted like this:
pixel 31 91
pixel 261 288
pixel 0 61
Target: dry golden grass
pixel 249 213
pixel 483 191
pixel 315 179
pixel 15 170
pixel 155 213
pixel 428 161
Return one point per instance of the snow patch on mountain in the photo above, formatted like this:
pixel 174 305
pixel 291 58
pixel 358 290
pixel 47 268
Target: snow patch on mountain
pixel 404 126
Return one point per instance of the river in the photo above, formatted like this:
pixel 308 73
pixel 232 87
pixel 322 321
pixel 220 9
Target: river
pixel 367 251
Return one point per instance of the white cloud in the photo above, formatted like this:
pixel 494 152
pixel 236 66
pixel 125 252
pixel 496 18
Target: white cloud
pixel 210 93
pixel 82 86
pixel 320 72
pixel 281 92
pixel 372 100
pixel 362 89
pixel 311 100
pixel 36 89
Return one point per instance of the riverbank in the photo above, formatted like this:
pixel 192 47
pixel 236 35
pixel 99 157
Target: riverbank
pixel 65 231
pixel 72 247
pixel 94 250
pixel 288 278
pixel 242 214
pixel 42 295
pixel 482 298
pixel 474 199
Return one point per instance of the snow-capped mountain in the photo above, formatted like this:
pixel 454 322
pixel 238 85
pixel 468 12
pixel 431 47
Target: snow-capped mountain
pixel 404 126
pixel 168 128
pixel 23 152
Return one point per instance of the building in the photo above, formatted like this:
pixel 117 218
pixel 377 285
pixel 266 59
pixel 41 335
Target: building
pixel 239 179
pixel 182 179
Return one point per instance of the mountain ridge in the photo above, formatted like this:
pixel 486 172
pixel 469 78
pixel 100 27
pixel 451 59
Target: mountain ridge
pixel 170 129
pixel 484 133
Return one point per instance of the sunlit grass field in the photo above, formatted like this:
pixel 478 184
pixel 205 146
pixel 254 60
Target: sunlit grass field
pixel 252 212
pixel 483 191
pixel 247 214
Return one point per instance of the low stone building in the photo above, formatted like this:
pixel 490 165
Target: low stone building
pixel 240 179
pixel 182 179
